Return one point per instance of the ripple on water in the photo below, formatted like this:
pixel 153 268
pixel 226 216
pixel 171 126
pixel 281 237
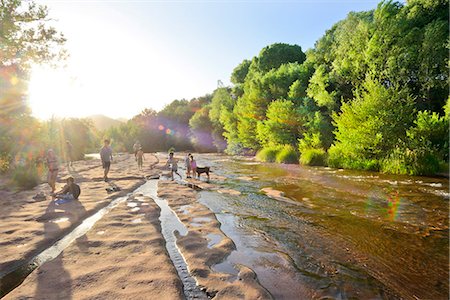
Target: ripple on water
pixel 184 209
pixel 214 239
pixel 201 219
pixel 60 220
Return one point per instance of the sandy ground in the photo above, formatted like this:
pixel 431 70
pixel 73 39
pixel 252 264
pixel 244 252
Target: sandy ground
pixel 22 229
pixel 123 256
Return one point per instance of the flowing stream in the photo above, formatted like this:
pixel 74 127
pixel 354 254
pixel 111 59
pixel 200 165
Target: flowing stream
pixel 311 233
pixel 333 233
pixel 169 225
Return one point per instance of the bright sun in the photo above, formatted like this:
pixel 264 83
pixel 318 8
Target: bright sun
pixel 52 92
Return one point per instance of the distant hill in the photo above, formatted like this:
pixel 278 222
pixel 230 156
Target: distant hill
pixel 102 122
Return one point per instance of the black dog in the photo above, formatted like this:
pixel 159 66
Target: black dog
pixel 201 170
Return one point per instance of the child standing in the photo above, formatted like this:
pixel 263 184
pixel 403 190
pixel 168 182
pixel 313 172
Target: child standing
pixel 187 164
pixel 193 166
pixel 173 162
pixel 140 158
pixel 106 156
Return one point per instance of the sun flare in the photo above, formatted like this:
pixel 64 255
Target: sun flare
pixel 53 92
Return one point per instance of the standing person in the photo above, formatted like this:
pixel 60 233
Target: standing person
pixel 173 162
pixel 136 148
pixel 69 151
pixel 187 164
pixel 52 164
pixel 106 156
pixel 193 166
pixel 140 158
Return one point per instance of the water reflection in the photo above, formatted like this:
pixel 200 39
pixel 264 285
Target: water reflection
pixel 349 233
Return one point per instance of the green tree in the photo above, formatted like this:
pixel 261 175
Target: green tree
pixel 284 124
pixel 26 38
pixel 273 56
pixel 370 126
pixel 221 102
pixel 201 129
pixel 240 72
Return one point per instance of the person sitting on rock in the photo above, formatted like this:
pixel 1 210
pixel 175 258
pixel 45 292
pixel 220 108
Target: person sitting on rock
pixel 70 191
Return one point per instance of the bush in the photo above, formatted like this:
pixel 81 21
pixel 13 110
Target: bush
pixel 26 177
pixel 287 155
pixel 337 159
pixel 268 154
pixel 313 157
pixel 4 164
pixel 420 161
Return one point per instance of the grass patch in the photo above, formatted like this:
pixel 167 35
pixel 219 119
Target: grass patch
pixel 338 159
pixel 412 162
pixel 268 154
pixel 25 177
pixel 287 155
pixel 313 157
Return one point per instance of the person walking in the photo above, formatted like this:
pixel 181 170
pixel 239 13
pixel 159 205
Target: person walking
pixel 106 157
pixel 140 158
pixel 173 163
pixel 136 148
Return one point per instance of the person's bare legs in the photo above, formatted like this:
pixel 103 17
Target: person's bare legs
pixel 105 172
pixel 51 179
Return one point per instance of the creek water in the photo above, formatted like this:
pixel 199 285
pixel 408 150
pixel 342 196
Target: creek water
pixel 171 225
pixel 333 233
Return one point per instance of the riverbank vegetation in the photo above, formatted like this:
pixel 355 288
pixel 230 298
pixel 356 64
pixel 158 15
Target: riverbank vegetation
pixel 372 94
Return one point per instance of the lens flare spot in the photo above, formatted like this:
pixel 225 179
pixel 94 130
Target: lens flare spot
pixel 14 80
pixel 161 127
pixel 393 205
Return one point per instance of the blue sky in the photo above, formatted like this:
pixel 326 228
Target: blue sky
pixel 148 53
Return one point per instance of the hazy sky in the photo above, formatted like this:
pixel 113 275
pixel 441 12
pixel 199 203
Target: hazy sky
pixel 131 55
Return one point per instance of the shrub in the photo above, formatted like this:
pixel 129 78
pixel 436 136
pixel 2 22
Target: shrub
pixel 25 177
pixel 420 161
pixel 337 159
pixel 268 154
pixel 287 155
pixel 313 157
pixel 4 164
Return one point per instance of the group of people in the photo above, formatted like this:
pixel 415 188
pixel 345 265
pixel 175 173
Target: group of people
pixel 71 190
pixel 189 163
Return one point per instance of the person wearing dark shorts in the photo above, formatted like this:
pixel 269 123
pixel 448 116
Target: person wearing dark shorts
pixel 106 156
